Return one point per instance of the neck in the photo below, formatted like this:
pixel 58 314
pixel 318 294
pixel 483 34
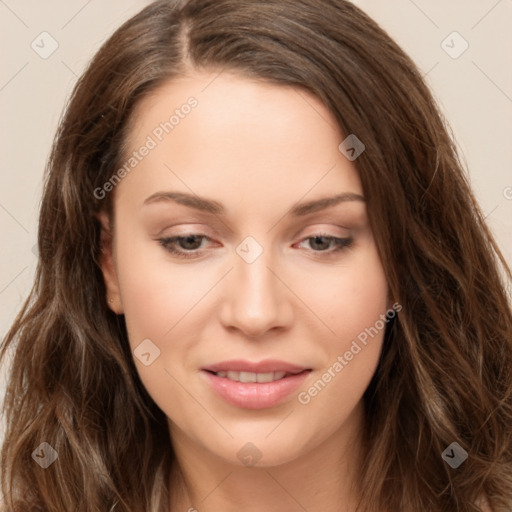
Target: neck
pixel 322 478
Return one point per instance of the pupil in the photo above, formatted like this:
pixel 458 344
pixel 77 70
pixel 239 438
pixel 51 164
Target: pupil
pixel 316 238
pixel 190 240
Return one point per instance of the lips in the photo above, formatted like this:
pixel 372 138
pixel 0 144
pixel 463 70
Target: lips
pixel 254 385
pixel 266 366
pixel 252 377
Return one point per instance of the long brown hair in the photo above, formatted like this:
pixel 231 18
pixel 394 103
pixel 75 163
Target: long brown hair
pixel 445 373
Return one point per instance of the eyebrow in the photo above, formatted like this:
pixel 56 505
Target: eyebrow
pixel 216 208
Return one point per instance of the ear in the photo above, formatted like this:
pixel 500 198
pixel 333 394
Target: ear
pixel 107 264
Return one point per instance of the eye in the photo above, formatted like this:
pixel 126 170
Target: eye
pixel 189 246
pixel 188 243
pixel 321 242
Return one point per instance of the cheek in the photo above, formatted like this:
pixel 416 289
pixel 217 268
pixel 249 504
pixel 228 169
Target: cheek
pixel 352 297
pixel 357 299
pixel 156 294
pixel 156 298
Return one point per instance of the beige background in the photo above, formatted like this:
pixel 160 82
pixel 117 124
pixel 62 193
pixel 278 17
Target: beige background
pixel 474 90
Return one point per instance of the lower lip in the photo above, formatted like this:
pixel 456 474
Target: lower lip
pixel 255 395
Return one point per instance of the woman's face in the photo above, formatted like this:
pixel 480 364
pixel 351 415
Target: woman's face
pixel 269 282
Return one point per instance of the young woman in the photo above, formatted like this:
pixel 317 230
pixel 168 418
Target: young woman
pixel 263 284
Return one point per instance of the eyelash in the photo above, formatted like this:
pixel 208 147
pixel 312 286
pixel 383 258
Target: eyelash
pixel 168 244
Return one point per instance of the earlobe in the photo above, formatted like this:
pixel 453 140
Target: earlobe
pixel 107 264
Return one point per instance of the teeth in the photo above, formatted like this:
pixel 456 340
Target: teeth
pixel 277 375
pixel 247 377
pixel 251 376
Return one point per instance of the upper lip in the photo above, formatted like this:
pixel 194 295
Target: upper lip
pixel 265 366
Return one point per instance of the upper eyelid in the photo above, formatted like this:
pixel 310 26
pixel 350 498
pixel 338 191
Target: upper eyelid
pixel 288 233
pixel 319 232
pixel 202 236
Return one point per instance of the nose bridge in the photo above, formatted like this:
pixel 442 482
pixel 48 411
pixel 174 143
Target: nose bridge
pixel 254 280
pixel 254 300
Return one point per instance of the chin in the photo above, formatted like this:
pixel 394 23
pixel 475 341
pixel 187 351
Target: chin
pixel 259 450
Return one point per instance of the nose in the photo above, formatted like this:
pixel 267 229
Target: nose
pixel 255 298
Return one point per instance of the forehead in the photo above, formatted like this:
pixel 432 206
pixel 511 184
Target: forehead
pixel 239 140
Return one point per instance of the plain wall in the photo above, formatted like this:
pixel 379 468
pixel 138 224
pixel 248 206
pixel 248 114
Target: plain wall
pixel 474 91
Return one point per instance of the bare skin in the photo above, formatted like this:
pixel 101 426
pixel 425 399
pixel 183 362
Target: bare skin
pixel 258 149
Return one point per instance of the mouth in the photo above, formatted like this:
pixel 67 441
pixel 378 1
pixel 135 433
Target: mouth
pixel 254 385
pixel 246 377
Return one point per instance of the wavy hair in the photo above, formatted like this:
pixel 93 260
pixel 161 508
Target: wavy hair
pixel 445 372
